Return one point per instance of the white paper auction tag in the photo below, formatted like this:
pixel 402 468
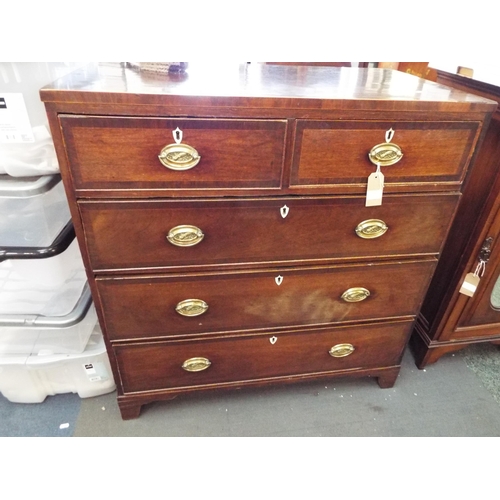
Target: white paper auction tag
pixel 471 281
pixel 470 284
pixel 375 188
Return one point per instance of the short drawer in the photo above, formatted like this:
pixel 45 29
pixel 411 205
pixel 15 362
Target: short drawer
pixel 169 365
pixel 123 152
pixel 221 233
pixel 187 304
pixel 337 152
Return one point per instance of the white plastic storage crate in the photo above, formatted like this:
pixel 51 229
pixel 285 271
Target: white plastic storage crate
pixel 30 379
pixel 45 281
pixel 32 334
pixel 26 146
pixel 34 210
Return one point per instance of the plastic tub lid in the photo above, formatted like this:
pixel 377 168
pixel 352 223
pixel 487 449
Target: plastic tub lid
pixel 24 187
pixel 59 245
pixel 38 320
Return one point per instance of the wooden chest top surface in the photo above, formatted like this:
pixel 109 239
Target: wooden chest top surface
pixel 263 86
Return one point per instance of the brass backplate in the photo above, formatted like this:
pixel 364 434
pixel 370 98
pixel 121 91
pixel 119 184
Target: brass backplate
pixel 185 236
pixel 385 154
pixel 356 294
pixel 179 157
pixel 341 350
pixel 191 307
pixel 196 364
pixel 371 228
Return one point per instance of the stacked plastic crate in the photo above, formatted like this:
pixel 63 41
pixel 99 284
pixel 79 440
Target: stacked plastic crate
pixel 50 342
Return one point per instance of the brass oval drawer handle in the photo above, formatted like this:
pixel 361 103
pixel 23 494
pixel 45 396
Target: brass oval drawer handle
pixel 179 156
pixel 196 364
pixel 191 307
pixel 371 228
pixel 387 153
pixel 185 236
pixel 356 294
pixel 341 350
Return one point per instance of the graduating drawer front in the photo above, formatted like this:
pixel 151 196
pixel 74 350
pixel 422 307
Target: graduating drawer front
pixel 167 365
pixel 169 234
pixel 173 305
pixel 337 152
pixel 120 153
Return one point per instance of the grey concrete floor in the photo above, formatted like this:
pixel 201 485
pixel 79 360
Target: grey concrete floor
pixel 445 399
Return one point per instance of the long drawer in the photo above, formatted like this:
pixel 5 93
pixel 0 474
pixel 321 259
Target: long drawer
pixel 198 303
pixel 123 152
pixel 164 365
pixel 218 233
pixel 337 152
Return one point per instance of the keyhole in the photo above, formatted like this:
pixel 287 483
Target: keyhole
pixel 389 135
pixel 177 133
pixel 273 340
pixel 279 280
pixel 284 211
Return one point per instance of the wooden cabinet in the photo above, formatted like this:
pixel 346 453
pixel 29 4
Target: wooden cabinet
pixel 450 320
pixel 223 223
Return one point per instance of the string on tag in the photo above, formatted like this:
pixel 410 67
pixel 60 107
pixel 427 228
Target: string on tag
pixel 481 267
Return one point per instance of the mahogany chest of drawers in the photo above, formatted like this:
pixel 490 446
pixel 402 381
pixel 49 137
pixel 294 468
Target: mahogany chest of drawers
pixel 223 222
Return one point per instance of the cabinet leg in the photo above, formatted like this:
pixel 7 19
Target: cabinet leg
pixel 426 355
pixel 429 357
pixel 388 378
pixel 129 411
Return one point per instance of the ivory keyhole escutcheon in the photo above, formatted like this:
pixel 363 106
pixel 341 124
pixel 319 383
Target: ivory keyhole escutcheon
pixel 279 280
pixel 284 211
pixel 273 340
pixel 177 133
